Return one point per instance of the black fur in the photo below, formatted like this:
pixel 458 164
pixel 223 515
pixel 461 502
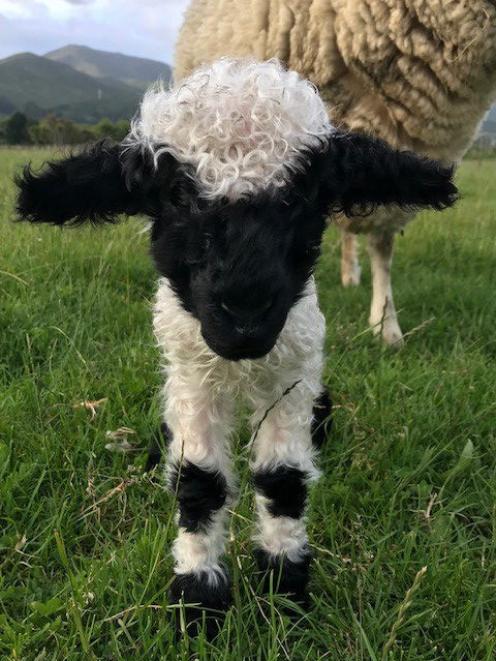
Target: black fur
pixel 237 267
pixel 356 173
pixel 94 185
pixel 286 577
pixel 211 601
pixel 286 489
pixel 200 493
pixel 322 419
pixel 240 267
pixel 155 448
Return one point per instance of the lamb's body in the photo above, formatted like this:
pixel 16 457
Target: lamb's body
pixel 200 395
pixel 237 168
pixel 418 73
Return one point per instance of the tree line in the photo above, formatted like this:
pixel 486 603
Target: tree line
pixel 18 129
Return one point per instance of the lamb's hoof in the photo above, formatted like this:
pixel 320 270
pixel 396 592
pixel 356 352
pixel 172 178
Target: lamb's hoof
pixel 351 278
pixel 203 600
pixel 285 577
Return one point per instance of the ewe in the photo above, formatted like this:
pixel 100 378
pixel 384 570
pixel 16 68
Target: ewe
pixel 237 169
pixel 420 74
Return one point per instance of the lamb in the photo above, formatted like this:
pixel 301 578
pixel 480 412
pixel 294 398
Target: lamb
pixel 420 74
pixel 237 168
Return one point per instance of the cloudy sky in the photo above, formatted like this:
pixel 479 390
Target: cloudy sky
pixel 147 28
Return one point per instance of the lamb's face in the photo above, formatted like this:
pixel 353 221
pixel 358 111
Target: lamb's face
pixel 238 268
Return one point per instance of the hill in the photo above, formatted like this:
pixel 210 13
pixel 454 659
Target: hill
pixel 37 85
pixel 134 71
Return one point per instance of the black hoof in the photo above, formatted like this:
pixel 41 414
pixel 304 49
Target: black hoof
pixel 203 601
pixel 284 576
pixel 322 419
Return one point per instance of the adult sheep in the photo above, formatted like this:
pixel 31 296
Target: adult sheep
pixel 420 74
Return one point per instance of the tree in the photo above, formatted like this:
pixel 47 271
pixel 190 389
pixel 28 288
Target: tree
pixel 53 130
pixel 106 129
pixel 16 129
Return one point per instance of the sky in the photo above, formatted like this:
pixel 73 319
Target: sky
pixel 145 28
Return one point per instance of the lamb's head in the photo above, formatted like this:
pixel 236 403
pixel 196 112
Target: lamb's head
pixel 239 267
pixel 237 168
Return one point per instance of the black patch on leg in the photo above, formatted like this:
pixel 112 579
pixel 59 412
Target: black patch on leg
pixel 211 599
pixel 289 578
pixel 286 489
pixel 200 493
pixel 322 419
pixel 156 445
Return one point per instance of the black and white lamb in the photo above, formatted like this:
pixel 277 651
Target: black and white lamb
pixel 237 168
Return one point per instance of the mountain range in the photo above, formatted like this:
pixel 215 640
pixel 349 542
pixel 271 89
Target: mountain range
pixel 77 82
pixel 86 85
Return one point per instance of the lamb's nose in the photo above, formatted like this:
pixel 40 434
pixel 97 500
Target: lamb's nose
pixel 244 311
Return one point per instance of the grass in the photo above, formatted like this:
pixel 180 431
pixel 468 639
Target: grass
pixel 409 472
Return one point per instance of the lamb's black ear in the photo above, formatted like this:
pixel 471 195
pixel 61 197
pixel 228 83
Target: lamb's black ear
pixel 357 173
pixel 95 185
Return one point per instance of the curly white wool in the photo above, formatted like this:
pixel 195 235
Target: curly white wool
pixel 243 125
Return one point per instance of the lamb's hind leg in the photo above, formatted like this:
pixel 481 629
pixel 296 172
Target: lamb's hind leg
pixel 199 473
pixel 350 266
pixel 383 318
pixel 283 464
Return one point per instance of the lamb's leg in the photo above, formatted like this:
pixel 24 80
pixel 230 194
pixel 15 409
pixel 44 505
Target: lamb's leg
pixel 282 462
pixel 199 472
pixel 383 319
pixel 350 266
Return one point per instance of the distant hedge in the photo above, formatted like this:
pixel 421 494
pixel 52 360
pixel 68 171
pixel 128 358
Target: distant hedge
pixel 51 130
pixel 481 153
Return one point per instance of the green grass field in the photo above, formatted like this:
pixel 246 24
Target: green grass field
pixel 409 472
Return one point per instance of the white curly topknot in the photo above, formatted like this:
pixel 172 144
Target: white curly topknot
pixel 242 125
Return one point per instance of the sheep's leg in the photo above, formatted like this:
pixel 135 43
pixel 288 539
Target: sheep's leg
pixel 282 463
pixel 199 473
pixel 350 266
pixel 383 319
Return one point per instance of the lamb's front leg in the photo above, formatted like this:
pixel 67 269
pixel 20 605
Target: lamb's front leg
pixel 283 465
pixel 199 472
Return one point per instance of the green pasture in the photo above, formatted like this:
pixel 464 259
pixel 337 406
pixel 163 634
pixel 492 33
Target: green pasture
pixel 402 523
